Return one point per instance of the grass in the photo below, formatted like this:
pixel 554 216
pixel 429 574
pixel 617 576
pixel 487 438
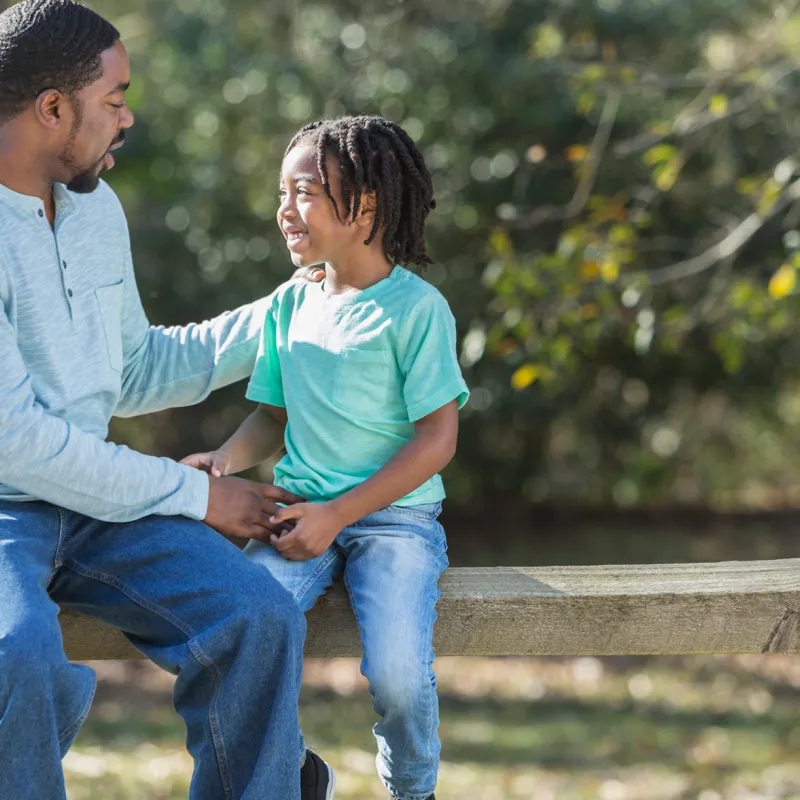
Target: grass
pixel 704 727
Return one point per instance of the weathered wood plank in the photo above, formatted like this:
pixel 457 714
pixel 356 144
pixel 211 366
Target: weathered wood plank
pixel 727 607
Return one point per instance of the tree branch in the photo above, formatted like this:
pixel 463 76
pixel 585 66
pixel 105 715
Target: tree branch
pixel 727 247
pixel 591 165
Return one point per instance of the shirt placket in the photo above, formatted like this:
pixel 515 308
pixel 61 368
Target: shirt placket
pixel 63 212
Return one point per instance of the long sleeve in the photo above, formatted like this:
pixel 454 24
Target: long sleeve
pixel 180 366
pixel 49 458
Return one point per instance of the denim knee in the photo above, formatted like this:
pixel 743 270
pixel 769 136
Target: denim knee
pixel 31 646
pixel 398 684
pixel 275 613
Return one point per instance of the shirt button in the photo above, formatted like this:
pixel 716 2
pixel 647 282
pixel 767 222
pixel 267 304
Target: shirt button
pixel 65 264
pixel 69 292
pixel 40 212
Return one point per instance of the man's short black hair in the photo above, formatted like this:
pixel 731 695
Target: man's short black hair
pixel 49 44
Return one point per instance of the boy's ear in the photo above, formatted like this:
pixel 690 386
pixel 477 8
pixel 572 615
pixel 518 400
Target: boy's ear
pixel 366 213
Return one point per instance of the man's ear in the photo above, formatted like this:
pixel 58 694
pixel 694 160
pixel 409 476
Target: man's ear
pixel 366 212
pixel 51 108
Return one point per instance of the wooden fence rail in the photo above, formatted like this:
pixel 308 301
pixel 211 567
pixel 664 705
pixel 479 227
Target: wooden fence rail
pixel 727 607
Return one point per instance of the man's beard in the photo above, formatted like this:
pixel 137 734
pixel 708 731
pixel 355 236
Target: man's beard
pixel 87 181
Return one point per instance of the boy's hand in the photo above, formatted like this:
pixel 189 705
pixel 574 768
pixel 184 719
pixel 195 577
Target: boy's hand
pixel 316 527
pixel 215 463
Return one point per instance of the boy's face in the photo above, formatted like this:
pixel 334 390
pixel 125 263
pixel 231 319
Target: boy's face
pixel 306 216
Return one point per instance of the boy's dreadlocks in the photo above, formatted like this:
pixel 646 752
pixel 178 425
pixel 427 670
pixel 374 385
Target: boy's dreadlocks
pixel 376 155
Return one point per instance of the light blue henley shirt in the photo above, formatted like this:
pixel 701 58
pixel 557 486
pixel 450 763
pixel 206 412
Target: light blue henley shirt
pixel 76 349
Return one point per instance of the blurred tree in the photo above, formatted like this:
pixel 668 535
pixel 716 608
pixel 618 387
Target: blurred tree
pixel 616 224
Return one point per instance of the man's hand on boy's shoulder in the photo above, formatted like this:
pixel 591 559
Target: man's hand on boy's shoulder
pixel 312 274
pixel 315 528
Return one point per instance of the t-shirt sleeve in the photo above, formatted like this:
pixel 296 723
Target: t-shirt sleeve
pixel 266 383
pixel 428 359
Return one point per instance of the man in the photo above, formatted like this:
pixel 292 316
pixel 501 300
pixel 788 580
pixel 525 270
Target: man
pixel 85 523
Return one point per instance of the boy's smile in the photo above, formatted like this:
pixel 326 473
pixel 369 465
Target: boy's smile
pixel 307 217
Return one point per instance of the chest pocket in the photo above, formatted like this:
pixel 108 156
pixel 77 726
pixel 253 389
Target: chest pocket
pixel 109 299
pixel 361 382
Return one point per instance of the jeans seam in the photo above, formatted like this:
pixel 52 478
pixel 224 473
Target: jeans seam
pixel 84 712
pixel 213 718
pixel 195 649
pixel 301 592
pixel 131 594
pixel 59 544
pixel 429 638
pixel 348 586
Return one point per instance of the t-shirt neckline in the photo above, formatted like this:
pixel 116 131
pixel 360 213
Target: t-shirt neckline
pixel 361 295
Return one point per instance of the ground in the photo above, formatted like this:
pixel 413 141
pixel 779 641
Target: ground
pixel 667 728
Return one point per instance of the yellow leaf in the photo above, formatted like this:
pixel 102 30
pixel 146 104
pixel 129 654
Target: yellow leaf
pixel 783 281
pixel 666 174
pixel 620 234
pixel 769 196
pixel 718 105
pixel 500 242
pixel 609 269
pixel 547 41
pixel 525 376
pixel 576 153
pixel 589 271
pixel 661 152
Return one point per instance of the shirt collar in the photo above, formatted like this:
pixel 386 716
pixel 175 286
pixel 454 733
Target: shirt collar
pixel 62 197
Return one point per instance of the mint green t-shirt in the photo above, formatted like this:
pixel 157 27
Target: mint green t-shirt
pixel 354 372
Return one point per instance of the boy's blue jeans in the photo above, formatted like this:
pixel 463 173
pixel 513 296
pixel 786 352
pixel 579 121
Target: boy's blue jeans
pixel 190 601
pixel 391 561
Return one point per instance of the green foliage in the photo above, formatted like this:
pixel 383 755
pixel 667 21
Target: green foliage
pixel 583 159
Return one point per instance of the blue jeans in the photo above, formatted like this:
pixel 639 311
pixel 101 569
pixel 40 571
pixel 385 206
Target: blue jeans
pixel 391 561
pixel 190 601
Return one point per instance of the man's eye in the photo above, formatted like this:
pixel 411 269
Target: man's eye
pixel 118 105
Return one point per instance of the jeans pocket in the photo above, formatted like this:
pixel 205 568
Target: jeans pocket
pixel 109 299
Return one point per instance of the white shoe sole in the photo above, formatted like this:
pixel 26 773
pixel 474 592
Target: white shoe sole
pixel 331 782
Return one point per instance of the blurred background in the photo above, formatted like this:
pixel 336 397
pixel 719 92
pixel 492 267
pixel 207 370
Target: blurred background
pixel 618 234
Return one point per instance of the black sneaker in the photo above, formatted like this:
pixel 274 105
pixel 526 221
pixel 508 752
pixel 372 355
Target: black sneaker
pixel 317 779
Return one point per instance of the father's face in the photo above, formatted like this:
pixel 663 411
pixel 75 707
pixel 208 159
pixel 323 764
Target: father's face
pixel 100 117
